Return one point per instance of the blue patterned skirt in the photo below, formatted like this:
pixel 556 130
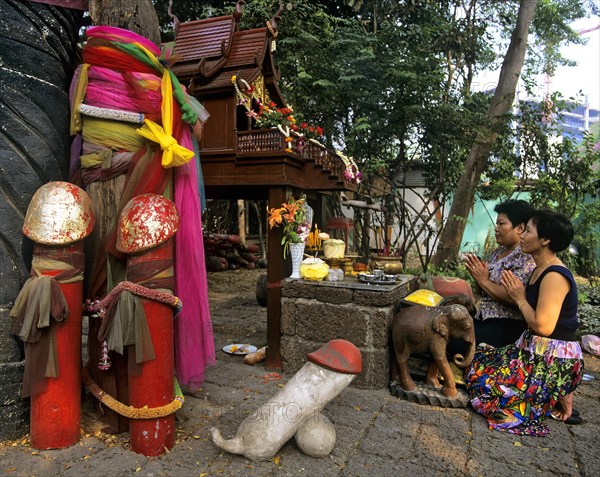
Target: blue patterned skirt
pixel 516 386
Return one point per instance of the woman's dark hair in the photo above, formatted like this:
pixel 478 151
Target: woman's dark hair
pixel 555 227
pixel 517 211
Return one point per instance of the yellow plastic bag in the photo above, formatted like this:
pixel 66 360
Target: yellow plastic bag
pixel 424 297
pixel 313 269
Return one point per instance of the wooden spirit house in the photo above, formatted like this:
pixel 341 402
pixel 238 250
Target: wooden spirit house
pixel 238 160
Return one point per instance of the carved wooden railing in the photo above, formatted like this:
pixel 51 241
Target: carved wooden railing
pixel 323 157
pixel 260 140
pixel 272 142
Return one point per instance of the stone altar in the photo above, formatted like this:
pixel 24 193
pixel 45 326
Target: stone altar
pixel 315 312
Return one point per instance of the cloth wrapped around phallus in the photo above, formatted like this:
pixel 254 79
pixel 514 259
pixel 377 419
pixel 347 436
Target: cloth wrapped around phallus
pixel 40 307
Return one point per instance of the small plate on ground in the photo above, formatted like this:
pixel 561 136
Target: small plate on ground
pixel 239 348
pixel 587 378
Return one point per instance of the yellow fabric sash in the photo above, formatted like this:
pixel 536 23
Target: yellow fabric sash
pixel 111 134
pixel 174 155
pixel 80 90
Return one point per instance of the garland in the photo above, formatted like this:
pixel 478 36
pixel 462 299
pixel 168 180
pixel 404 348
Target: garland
pixel 242 99
pixel 97 309
pixel 130 411
pixel 286 137
pixel 351 173
pixel 113 114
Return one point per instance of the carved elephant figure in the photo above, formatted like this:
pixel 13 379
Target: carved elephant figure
pixel 422 329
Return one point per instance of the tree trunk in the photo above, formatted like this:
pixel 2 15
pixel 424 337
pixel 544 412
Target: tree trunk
pixel 138 16
pixel 478 155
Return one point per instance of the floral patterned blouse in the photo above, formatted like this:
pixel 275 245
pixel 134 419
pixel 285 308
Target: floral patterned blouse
pixel 522 265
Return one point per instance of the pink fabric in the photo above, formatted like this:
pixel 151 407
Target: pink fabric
pixel 194 339
pixel 124 91
pixel 75 4
pixel 122 36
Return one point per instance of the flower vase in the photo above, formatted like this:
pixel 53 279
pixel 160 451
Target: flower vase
pixel 297 254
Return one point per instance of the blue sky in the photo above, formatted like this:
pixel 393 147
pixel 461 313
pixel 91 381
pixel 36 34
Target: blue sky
pixel 568 80
pixel 586 75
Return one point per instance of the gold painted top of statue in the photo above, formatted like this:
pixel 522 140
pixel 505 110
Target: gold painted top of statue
pixel 59 213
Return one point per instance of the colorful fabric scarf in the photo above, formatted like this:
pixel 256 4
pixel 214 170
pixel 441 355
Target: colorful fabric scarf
pixel 123 71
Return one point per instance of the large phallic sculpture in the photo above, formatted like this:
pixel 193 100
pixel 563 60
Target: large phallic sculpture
pixel 146 227
pixel 295 409
pixel 136 322
pixel 47 312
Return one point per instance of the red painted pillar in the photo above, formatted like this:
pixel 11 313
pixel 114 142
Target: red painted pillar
pixel 154 386
pixel 147 225
pixel 55 412
pixel 59 217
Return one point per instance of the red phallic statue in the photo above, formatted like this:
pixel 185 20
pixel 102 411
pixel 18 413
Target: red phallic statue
pixel 47 312
pixel 146 228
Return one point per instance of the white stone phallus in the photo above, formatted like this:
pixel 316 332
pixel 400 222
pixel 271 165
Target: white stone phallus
pixel 330 369
pixel 316 436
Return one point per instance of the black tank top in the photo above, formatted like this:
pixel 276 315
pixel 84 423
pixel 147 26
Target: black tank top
pixel 568 322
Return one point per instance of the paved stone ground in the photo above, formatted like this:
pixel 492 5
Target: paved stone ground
pixel 377 434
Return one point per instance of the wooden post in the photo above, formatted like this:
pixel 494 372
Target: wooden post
pixel 241 213
pixel 275 275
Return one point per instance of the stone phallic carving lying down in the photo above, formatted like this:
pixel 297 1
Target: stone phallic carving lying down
pixel 295 408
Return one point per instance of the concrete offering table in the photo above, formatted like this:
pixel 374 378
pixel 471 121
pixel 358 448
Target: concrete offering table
pixel 315 312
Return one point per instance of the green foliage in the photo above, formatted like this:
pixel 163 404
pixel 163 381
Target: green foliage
pixel 557 172
pixel 457 270
pixel 587 240
pixel 589 320
pixel 589 309
pixel 589 294
pixel 391 84
pixel 567 182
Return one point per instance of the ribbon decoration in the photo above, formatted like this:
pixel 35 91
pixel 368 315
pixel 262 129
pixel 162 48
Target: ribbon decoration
pixel 174 155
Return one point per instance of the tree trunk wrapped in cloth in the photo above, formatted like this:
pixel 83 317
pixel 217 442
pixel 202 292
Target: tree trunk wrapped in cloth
pixel 133 121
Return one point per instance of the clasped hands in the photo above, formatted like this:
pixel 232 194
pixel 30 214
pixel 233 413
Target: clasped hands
pixel 513 286
pixel 477 267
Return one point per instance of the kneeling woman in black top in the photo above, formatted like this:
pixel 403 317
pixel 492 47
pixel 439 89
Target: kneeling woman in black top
pixel 516 386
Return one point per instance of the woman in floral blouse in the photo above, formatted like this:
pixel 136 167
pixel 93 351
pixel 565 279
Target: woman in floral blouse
pixel 499 321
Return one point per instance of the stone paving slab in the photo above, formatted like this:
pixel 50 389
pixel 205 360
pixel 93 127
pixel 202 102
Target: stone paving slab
pixel 377 434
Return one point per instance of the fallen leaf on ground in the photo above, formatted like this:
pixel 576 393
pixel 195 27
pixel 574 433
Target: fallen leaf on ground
pixel 271 377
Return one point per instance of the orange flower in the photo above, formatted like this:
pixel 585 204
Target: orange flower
pixel 275 216
pixel 292 216
pixel 291 211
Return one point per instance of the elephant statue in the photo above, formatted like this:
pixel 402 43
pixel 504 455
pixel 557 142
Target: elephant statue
pixel 422 329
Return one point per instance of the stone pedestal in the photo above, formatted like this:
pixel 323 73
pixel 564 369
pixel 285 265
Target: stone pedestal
pixel 313 313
